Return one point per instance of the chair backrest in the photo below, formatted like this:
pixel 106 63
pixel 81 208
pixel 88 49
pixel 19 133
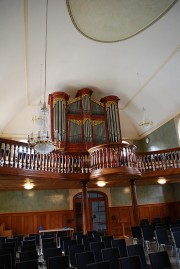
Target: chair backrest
pixel 27 248
pixel 6 260
pixel 73 250
pixel 66 245
pixel 14 240
pixel 136 232
pixel 10 251
pixel 33 264
pixel 2 266
pixel 121 245
pixel 28 255
pixel 176 239
pixel 28 242
pixel 52 252
pixel 96 247
pixel 159 260
pixel 36 236
pixel 148 233
pixel 132 262
pixel 58 262
pixel 162 236
pixel 47 245
pixel 62 239
pixel 107 240
pixel 98 265
pixel 134 250
pixel 84 258
pixel 112 255
pixel 20 238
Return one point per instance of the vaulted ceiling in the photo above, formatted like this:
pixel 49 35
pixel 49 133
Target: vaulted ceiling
pixel 142 70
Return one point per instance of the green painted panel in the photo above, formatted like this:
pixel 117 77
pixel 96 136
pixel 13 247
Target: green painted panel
pixel 146 194
pixel 120 196
pixel 34 200
pixel 176 188
pixel 155 194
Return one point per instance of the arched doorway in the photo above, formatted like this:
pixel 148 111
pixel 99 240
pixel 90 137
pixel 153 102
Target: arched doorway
pixel 98 211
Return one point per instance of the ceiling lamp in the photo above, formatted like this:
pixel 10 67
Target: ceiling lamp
pixel 101 183
pixel 146 121
pixel 42 143
pixel 161 180
pixel 28 185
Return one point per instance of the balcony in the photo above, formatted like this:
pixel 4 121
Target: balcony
pixel 116 163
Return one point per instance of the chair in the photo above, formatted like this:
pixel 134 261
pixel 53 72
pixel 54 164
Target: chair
pixel 148 236
pixel 6 260
pixel 58 262
pixel 112 255
pixel 159 260
pixel 136 233
pixel 132 262
pixel 15 240
pixel 176 239
pixel 33 264
pixel 10 251
pixel 66 244
pixel 86 242
pixel 121 245
pixel 107 240
pixel 52 252
pixel 20 237
pixel 28 255
pixel 36 236
pixel 144 222
pixel 134 250
pixel 163 239
pixel 98 265
pixel 97 247
pixel 84 258
pixel 62 239
pixel 73 250
pixel 2 266
pixel 47 245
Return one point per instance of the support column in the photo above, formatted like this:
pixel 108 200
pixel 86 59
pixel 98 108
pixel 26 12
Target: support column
pixel 85 209
pixel 134 202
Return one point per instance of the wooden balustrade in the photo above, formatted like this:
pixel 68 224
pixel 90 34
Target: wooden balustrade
pixel 112 155
pixel 158 160
pixel 20 155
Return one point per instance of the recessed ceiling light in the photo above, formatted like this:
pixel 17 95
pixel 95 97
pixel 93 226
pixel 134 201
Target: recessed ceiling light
pixel 161 180
pixel 28 185
pixel 101 183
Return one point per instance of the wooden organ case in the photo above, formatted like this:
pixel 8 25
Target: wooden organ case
pixel 82 122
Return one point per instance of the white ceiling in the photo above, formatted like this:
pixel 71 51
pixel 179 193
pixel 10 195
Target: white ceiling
pixel 143 71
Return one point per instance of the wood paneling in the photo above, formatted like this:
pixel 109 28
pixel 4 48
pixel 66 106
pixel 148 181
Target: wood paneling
pixel 149 212
pixel 25 223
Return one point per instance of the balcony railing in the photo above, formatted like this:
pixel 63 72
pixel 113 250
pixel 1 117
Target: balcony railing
pixel 20 155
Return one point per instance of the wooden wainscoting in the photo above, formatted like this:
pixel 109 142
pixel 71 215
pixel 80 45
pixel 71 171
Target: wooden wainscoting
pixel 25 223
pixel 29 222
pixel 120 214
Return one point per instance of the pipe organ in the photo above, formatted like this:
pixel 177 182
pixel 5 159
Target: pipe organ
pixel 82 122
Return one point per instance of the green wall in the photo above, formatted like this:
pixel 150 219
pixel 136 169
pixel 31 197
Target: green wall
pixel 146 194
pixel 164 137
pixel 34 200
